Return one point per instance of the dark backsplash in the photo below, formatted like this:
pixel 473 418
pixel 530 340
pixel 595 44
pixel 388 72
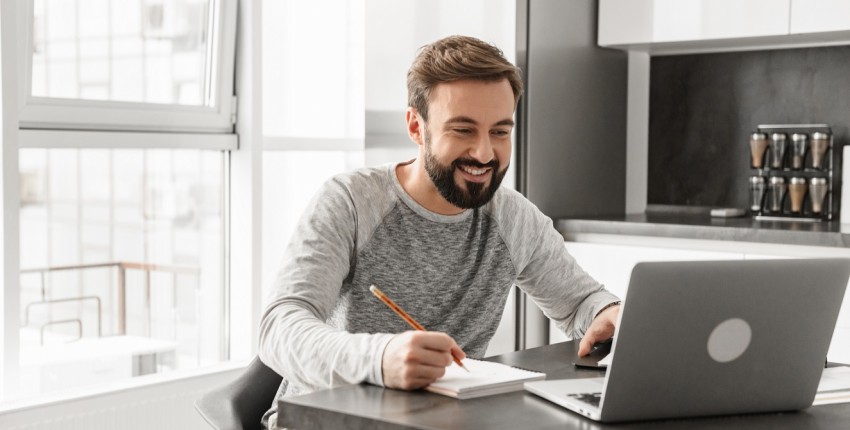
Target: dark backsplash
pixel 702 109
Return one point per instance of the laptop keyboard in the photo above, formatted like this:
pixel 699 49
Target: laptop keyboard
pixel 590 398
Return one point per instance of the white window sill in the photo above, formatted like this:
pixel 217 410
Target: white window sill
pixel 17 405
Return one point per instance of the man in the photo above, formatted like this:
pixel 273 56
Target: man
pixel 436 234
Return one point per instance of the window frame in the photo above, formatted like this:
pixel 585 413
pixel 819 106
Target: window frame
pixel 78 114
pixel 41 122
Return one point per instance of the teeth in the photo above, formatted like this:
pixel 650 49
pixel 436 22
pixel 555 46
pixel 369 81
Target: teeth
pixel 472 171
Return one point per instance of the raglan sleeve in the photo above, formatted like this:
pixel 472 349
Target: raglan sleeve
pixel 565 293
pixel 295 339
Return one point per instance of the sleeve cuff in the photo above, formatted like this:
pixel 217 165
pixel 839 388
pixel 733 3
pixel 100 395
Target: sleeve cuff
pixel 376 376
pixel 610 304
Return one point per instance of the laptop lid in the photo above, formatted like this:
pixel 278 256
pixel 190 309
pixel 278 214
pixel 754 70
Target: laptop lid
pixel 722 337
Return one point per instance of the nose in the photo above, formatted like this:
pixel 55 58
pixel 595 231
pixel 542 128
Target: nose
pixel 482 150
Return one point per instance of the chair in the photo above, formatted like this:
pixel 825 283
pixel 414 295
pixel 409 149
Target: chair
pixel 241 404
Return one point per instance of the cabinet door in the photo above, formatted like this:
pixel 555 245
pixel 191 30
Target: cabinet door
pixel 812 16
pixel 626 22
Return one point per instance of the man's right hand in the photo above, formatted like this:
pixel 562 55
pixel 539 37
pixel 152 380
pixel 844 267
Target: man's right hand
pixel 414 359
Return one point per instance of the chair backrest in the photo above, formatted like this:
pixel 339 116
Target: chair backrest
pixel 240 405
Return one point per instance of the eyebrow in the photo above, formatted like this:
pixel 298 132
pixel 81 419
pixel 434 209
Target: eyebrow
pixel 469 120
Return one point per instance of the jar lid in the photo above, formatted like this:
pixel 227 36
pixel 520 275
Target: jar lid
pixel 758 136
pixel 777 180
pixel 819 135
pixel 819 181
pixel 757 179
pixel 799 136
pixel 796 180
pixel 778 136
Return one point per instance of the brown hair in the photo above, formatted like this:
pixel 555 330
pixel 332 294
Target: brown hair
pixel 454 58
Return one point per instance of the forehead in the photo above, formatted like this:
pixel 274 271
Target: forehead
pixel 484 101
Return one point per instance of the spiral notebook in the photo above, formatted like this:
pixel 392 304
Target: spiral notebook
pixel 484 378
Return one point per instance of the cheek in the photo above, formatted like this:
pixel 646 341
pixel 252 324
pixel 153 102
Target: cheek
pixel 446 153
pixel 503 154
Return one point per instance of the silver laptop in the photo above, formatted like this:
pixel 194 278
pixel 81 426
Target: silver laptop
pixel 713 338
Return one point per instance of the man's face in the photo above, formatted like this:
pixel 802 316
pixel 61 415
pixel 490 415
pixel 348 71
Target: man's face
pixel 467 140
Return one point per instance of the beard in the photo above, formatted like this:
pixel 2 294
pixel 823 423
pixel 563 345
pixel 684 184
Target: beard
pixel 476 194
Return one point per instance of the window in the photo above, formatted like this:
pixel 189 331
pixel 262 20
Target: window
pixel 125 127
pixel 165 61
pixel 121 263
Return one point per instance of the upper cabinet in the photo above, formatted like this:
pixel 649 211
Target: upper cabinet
pixel 686 26
pixel 626 22
pixel 812 16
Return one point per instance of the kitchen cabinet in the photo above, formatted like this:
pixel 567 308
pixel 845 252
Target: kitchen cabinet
pixel 629 22
pixel 813 16
pixel 672 27
pixel 611 263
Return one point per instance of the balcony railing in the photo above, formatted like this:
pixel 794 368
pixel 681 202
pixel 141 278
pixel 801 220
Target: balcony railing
pixel 122 267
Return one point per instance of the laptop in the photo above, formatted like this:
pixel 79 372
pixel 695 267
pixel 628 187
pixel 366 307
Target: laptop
pixel 713 338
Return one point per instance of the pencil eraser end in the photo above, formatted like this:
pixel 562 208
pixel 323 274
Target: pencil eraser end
pixel 372 288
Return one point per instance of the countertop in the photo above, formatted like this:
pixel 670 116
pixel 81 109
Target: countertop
pixel 703 226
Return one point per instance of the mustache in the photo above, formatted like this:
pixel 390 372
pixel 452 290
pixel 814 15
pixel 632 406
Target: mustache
pixel 493 164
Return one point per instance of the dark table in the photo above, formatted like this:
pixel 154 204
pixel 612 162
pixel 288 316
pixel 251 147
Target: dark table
pixel 370 407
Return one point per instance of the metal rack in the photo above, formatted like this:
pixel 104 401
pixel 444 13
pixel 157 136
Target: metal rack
pixel 829 171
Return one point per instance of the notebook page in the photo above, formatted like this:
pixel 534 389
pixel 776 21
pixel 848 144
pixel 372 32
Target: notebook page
pixel 483 376
pixel 834 386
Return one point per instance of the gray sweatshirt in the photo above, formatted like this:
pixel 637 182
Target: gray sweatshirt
pixel 322 327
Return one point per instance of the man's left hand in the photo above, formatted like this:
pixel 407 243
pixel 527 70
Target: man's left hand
pixel 601 329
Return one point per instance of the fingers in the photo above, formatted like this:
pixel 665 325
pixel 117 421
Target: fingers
pixel 593 336
pixel 430 357
pixel 601 329
pixel 415 359
pixel 585 345
pixel 457 352
pixel 411 377
pixel 434 340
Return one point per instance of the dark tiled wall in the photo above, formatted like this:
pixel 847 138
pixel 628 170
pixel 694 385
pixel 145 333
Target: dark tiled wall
pixel 702 109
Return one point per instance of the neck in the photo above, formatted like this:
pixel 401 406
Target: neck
pixel 417 184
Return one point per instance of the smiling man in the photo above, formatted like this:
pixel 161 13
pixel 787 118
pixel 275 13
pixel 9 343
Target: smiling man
pixel 437 234
pixel 465 146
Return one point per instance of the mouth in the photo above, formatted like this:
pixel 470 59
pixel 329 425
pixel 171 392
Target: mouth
pixel 475 174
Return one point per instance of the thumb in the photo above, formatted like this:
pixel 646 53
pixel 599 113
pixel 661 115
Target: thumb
pixel 586 344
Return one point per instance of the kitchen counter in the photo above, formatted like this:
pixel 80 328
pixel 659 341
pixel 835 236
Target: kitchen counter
pixel 705 227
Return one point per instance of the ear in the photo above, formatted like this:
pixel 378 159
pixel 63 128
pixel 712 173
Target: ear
pixel 415 126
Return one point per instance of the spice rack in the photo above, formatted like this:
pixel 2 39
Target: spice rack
pixel 771 198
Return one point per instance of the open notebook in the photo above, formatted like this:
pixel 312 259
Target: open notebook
pixel 483 379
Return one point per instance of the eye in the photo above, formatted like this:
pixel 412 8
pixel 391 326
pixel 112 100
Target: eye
pixel 464 131
pixel 501 133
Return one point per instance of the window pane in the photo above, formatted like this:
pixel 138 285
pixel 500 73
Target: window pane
pixel 121 264
pixel 141 51
pixel 313 82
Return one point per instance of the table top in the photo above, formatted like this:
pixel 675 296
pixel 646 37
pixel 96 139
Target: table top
pixel 369 407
